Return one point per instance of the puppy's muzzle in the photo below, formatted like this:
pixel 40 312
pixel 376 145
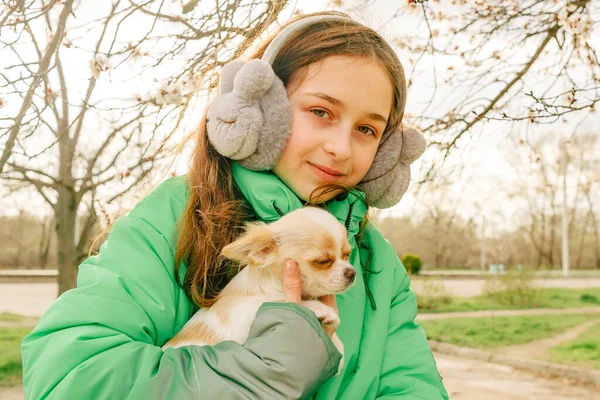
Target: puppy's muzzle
pixel 350 273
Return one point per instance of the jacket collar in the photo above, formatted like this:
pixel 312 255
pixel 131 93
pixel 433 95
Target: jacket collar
pixel 271 198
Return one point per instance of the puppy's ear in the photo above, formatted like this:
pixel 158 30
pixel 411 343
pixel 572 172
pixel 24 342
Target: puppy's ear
pixel 254 247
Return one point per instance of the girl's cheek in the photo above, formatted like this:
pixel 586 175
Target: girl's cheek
pixel 321 123
pixel 312 124
pixel 366 141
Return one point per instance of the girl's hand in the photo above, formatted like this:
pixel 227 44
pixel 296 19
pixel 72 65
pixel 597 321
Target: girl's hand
pixel 292 286
pixel 292 283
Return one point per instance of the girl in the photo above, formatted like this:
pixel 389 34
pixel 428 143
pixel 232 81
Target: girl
pixel 327 122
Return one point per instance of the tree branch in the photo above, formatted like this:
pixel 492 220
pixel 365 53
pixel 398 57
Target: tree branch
pixel 42 70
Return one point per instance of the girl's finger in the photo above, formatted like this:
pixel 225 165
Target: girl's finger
pixel 292 283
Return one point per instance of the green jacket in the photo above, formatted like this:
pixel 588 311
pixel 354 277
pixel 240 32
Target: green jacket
pixel 102 339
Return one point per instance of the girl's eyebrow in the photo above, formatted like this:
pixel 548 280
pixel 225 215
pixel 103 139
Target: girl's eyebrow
pixel 340 104
pixel 326 97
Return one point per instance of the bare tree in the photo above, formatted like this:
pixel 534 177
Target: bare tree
pixel 585 159
pixel 499 60
pixel 95 93
pixel 525 224
pixel 538 187
pixel 437 230
pixel 19 239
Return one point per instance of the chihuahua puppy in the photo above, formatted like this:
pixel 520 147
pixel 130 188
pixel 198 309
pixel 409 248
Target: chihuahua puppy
pixel 310 236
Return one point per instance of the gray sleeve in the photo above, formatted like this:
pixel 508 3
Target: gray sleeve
pixel 287 355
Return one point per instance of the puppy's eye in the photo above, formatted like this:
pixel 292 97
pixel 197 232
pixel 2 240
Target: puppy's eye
pixel 322 263
pixel 346 256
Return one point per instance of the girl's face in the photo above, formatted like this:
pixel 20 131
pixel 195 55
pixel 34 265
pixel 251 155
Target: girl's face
pixel 339 111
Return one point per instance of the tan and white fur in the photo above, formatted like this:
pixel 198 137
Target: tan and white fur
pixel 310 236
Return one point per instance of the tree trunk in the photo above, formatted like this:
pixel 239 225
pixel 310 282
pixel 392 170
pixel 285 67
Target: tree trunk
pixel 542 254
pixel 66 212
pixel 17 260
pixel 596 240
pixel 45 242
pixel 552 239
pixel 585 224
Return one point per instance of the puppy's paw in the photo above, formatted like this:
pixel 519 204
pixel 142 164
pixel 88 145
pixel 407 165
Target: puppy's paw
pixel 324 313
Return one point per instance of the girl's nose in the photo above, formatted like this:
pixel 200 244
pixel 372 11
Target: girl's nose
pixel 339 144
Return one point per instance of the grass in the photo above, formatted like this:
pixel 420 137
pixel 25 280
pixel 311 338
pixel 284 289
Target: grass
pixel 10 355
pixel 585 349
pixel 538 273
pixel 7 317
pixel 490 332
pixel 542 298
pixel 10 346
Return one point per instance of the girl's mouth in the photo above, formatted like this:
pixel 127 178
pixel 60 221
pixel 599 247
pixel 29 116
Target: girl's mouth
pixel 326 174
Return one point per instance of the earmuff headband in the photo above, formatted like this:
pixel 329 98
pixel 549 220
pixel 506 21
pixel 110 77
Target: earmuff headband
pixel 286 33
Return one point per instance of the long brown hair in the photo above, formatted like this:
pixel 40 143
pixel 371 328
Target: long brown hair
pixel 216 211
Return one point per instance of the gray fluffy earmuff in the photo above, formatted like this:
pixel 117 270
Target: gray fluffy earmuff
pixel 250 122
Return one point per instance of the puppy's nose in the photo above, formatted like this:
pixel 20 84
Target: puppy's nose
pixel 350 274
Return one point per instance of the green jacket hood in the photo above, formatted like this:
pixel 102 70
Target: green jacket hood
pixel 271 198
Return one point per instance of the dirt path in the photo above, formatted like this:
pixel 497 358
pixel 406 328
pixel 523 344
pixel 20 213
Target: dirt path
pixel 13 393
pixel 467 379
pixel 31 299
pixel 474 287
pixel 538 349
pixel 500 313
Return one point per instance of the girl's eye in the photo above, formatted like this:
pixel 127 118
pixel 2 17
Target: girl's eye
pixel 319 113
pixel 366 130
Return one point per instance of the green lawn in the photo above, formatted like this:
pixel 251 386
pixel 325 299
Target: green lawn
pixel 10 347
pixel 10 355
pixel 585 349
pixel 540 298
pixel 490 332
